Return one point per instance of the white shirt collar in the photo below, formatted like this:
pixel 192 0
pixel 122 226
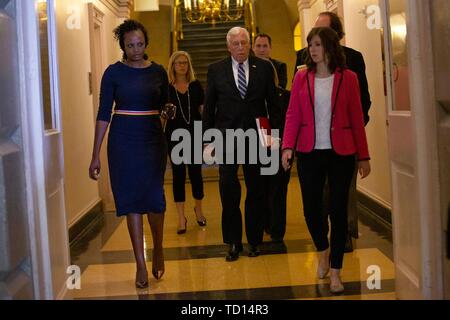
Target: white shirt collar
pixel 235 67
pixel 235 63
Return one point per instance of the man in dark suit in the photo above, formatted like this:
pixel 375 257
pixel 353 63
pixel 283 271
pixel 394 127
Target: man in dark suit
pixel 277 185
pixel 355 62
pixel 262 48
pixel 238 90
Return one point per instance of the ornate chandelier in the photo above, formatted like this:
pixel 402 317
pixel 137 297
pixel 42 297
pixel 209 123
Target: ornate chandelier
pixel 198 11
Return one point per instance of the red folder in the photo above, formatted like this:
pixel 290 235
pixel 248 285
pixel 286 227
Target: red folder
pixel 263 127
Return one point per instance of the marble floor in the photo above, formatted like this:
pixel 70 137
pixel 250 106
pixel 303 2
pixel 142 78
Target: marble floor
pixel 195 267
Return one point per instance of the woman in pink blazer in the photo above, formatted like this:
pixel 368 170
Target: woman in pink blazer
pixel 325 125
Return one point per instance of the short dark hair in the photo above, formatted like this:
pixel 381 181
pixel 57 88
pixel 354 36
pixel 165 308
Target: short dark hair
pixel 332 49
pixel 335 23
pixel 128 26
pixel 264 35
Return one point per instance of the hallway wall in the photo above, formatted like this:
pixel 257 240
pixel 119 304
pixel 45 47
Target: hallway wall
pixel 308 18
pixel 369 42
pixel 158 25
pixel 269 19
pixel 81 193
pixel 292 8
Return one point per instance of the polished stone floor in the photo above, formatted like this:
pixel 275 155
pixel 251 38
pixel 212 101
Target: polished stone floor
pixel 195 267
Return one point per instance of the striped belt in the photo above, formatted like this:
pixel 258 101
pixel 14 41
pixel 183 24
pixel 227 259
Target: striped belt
pixel 137 113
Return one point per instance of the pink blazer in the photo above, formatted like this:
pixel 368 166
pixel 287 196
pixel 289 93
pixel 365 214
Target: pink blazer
pixel 347 123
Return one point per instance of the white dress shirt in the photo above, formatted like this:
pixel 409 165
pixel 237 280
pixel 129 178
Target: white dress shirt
pixel 323 88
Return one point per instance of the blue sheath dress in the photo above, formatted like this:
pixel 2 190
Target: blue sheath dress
pixel 137 150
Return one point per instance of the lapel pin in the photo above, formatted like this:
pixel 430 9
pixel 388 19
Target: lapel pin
pixel 253 66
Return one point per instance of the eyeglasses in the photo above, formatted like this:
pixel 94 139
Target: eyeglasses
pixel 181 63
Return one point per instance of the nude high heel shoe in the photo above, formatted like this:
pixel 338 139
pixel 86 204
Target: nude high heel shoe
pixel 322 269
pixel 322 272
pixel 336 286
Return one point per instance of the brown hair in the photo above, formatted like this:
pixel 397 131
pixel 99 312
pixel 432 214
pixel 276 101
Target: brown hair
pixel 335 23
pixel 333 52
pixel 264 35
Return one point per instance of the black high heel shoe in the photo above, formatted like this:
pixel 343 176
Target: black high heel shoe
pixel 182 231
pixel 157 273
pixel 202 222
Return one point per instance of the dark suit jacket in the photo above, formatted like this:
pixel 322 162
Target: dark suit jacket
pixel 224 107
pixel 355 62
pixel 281 69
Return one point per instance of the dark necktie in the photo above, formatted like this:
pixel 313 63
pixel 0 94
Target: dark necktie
pixel 242 81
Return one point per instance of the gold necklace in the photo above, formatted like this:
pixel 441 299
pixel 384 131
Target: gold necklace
pixel 188 121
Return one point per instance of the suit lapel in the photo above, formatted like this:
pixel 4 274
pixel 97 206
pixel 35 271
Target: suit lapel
pixel 252 74
pixel 310 78
pixel 230 76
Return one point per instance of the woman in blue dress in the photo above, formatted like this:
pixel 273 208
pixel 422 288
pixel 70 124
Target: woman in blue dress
pixel 137 149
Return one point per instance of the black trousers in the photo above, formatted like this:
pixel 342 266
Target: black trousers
pixel 179 181
pixel 352 207
pixel 230 195
pixel 275 213
pixel 313 169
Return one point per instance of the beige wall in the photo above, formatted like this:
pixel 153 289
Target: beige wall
pixel 368 42
pixel 269 19
pixel 81 193
pixel 308 18
pixel 158 25
pixel 292 8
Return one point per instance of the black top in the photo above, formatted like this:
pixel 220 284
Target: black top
pixel 196 97
pixel 281 69
pixel 355 62
pixel 136 89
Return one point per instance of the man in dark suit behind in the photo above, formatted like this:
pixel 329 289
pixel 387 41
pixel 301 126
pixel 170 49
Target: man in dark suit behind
pixel 277 185
pixel 262 49
pixel 237 91
pixel 355 62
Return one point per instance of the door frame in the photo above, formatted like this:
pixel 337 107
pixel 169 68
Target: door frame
pixel 424 126
pixel 48 266
pixel 33 141
pixel 95 16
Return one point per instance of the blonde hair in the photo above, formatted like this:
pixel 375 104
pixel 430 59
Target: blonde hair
pixel 190 75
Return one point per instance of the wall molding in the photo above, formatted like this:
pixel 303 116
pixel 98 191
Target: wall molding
pixel 121 8
pixel 87 222
pixel 305 4
pixel 374 197
pixel 331 5
pixel 373 209
pixel 96 13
